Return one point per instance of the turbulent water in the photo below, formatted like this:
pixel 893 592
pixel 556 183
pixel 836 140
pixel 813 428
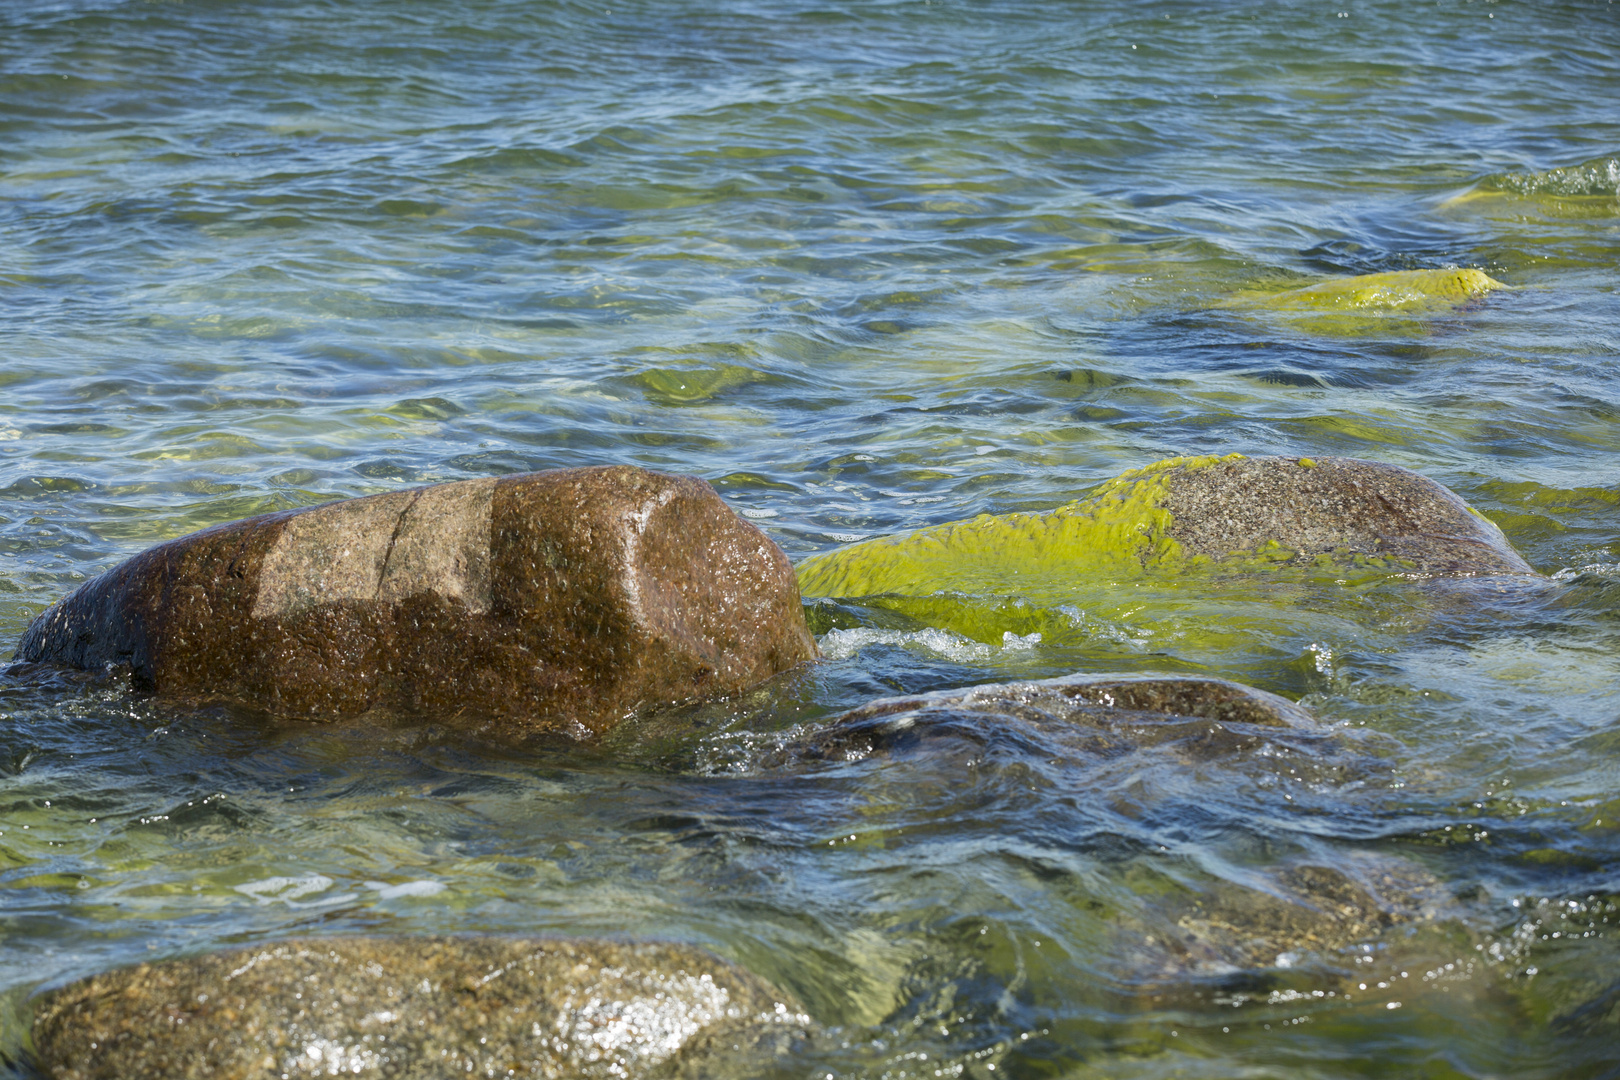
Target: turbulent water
pixel 863 266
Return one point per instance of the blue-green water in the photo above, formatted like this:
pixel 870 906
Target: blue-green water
pixel 864 267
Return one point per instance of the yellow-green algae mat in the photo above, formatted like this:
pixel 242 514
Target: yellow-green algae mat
pixel 1178 519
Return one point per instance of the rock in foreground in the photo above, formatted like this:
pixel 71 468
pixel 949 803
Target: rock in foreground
pixel 1183 513
pixel 411 1009
pixel 556 601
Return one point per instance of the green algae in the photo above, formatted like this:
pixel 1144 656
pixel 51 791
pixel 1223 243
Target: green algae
pixel 1121 529
pixel 691 386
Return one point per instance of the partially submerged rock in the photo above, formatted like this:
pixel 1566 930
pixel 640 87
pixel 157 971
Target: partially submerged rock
pixel 1123 747
pixel 1395 290
pixel 1182 514
pixel 556 601
pixel 413 1009
pixel 1200 714
pixel 1591 190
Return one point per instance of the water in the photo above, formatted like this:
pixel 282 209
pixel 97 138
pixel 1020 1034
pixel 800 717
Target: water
pixel 864 267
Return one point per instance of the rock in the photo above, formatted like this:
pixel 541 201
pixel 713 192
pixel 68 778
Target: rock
pixel 414 1008
pixel 1199 715
pixel 1126 747
pixel 1299 915
pixel 1398 290
pixel 548 602
pixel 1591 190
pixel 1182 514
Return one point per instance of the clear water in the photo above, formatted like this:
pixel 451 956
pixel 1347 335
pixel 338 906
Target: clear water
pixel 864 266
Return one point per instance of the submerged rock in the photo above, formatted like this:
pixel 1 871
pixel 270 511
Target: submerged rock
pixel 414 1008
pixel 1117 748
pixel 1182 514
pixel 1200 715
pixel 1303 914
pixel 556 601
pixel 1396 290
pixel 1591 190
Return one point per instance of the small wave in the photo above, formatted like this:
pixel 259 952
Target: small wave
pixel 386 891
pixel 1571 573
pixel 1594 178
pixel 288 890
pixel 842 644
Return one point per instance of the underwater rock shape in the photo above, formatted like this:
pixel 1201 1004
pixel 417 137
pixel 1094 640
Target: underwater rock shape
pixel 1204 715
pixel 1314 909
pixel 413 1009
pixel 546 602
pixel 1182 514
pixel 1396 290
pixel 1123 744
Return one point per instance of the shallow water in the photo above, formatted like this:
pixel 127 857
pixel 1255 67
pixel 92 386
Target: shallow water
pixel 864 267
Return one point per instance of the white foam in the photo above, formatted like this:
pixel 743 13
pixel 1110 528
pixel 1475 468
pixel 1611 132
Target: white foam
pixel 386 891
pixel 842 644
pixel 1570 573
pixel 287 890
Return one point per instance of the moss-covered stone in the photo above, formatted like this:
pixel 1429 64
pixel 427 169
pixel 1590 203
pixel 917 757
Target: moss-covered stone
pixel 413 1009
pixel 1179 516
pixel 1412 291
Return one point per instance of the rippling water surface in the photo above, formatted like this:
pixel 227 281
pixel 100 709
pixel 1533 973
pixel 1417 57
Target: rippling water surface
pixel 864 267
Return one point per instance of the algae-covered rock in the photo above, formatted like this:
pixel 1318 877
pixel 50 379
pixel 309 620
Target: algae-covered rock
pixel 1396 302
pixel 1396 290
pixel 558 601
pixel 413 1009
pixel 1181 515
pixel 1590 190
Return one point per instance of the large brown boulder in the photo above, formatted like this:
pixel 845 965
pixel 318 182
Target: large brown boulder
pixel 556 601
pixel 415 1009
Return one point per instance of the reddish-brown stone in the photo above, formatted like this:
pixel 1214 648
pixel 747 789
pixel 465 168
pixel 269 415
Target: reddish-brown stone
pixel 557 601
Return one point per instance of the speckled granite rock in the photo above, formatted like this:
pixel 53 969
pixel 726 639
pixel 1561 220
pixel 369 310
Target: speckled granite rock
pixel 413 1009
pixel 1203 716
pixel 1334 506
pixel 556 601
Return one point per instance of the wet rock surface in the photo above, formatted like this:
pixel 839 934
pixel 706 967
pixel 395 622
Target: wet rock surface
pixel 1332 509
pixel 1390 290
pixel 416 1008
pixel 1178 515
pixel 546 602
pixel 1114 714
